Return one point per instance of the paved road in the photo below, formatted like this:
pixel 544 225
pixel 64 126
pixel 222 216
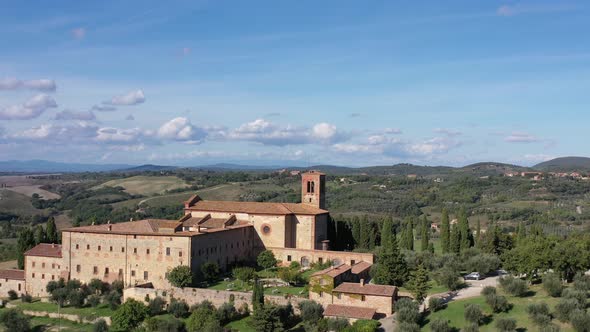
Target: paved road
pixel 198 191
pixel 473 290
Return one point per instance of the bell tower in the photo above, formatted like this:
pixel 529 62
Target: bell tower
pixel 313 189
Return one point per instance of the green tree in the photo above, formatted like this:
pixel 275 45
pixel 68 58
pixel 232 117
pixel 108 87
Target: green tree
pixel 425 234
pixel 39 234
pixel 100 326
pixel 268 319
pixel 445 232
pixel 25 241
pixel 210 271
pixel 204 318
pixel 51 231
pixel 257 295
pixel 14 320
pixel 180 276
pixel 365 233
pixel 418 283
pixel 478 233
pixel 266 259
pixel 129 315
pixel 387 232
pixel 464 233
pixel 391 267
pixel 356 231
pixel 408 235
pixel 244 274
pixel 454 243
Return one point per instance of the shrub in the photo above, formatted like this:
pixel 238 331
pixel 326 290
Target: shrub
pixel 539 313
pixel 337 324
pixel 311 311
pixel 210 271
pixel 549 328
pixel 578 295
pixel 364 325
pixel 448 278
pixel 12 295
pixel 96 286
pixel 470 327
pixel 129 315
pixel 14 320
pixel 580 320
pixel 26 298
pixel 565 307
pixel 291 276
pixel 76 298
pixel 203 317
pixel 156 306
pixel 473 313
pixel 100 326
pixel 113 298
pixel 266 259
pixel 93 300
pixel 404 327
pixel 514 286
pixel 407 311
pixel 180 276
pixel 498 303
pixel 488 290
pixel 178 309
pixel 226 313
pixel 295 265
pixel 244 273
pixel 118 286
pixel 552 284
pixel 506 324
pixel 157 324
pixel 582 282
pixel 435 304
pixel 440 325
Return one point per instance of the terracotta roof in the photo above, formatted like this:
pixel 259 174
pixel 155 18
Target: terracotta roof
pixel 366 289
pixel 256 207
pixel 361 267
pixel 335 310
pixel 12 274
pixel 333 271
pixel 45 250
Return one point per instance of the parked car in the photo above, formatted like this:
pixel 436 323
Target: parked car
pixel 472 276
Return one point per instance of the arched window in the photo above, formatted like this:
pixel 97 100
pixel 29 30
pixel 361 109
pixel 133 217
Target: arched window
pixel 313 187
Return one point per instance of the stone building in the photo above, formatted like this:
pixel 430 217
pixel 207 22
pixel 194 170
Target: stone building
pixel 12 280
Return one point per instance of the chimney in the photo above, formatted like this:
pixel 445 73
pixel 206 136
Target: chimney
pixel 326 245
pixel 110 227
pixel 362 282
pixel 131 219
pixel 198 229
pixel 53 245
pixel 108 222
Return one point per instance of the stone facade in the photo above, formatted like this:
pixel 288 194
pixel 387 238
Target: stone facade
pixel 306 257
pixel 40 270
pixel 12 280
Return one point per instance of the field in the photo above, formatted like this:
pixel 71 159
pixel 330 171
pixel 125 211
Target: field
pixel 146 185
pixel 19 204
pixel 34 189
pixel 454 313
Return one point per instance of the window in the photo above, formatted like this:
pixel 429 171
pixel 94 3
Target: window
pixel 19 287
pixel 53 265
pixel 167 251
pixel 352 262
pixel 77 246
pixel 338 295
pixel 312 187
pixel 106 271
pixel 43 276
pixel 133 273
pixel 147 251
pixel 111 248
pixel 33 275
pixel 135 250
pixel 135 236
pixel 33 264
pixel 43 265
pixel 145 275
pixel 288 258
pixel 363 298
pixel 122 249
pixel 120 272
pixel 308 186
pixel 99 248
pixel 321 260
pixel 78 268
pixel 87 247
pixel 95 270
pixel 180 253
pixel 52 277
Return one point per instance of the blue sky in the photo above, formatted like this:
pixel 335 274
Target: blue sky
pixel 294 82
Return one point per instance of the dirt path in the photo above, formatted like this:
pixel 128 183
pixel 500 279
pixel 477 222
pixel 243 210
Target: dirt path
pixel 202 190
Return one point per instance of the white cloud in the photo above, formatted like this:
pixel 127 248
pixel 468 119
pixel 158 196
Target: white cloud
pixel 395 147
pixel 520 137
pixel 72 133
pixel 131 98
pixel 31 109
pixel 73 115
pixel 181 129
pixel 116 135
pixel 79 33
pixel 103 108
pixel 44 85
pixel 268 133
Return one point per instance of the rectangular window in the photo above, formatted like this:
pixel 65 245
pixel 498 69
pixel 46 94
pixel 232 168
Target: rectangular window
pixel 33 275
pixel 145 275
pixel 321 260
pixel 135 236
pixel 95 270
pixel 135 250
pixel 43 265
pixel 133 273
pixel 32 264
pixel 147 251
pixel 53 265
pixel 167 251
pixel 77 246
pixel 120 272
pixel 52 277
pixel 106 271
pixel 363 298
pixel 19 287
pixel 352 262
pixel 78 268
pixel 288 258
pixel 99 248
pixel 87 247
pixel 43 276
pixel 180 254
pixel 111 248
pixel 122 249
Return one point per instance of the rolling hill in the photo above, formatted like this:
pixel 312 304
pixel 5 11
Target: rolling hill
pixel 564 164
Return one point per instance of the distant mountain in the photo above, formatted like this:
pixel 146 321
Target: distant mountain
pixel 564 164
pixel 44 166
pixel 238 167
pixel 149 167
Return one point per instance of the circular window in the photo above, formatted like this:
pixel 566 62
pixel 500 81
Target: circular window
pixel 265 229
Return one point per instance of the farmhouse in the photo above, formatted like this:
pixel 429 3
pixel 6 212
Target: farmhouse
pixel 142 252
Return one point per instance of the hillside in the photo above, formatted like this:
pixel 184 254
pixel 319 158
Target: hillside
pixel 565 164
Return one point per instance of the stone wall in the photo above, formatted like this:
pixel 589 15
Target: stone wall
pixel 198 295
pixel 306 257
pixel 7 285
pixel 39 271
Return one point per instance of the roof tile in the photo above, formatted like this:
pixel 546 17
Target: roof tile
pixel 366 289
pixel 12 274
pixel 45 250
pixel 336 310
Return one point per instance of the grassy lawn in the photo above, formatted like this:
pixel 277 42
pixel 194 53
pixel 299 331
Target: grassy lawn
pixel 46 324
pixel 241 325
pixel 244 287
pixel 435 288
pixel 102 310
pixel 146 185
pixel 454 313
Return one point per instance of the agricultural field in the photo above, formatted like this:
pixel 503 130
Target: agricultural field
pixel 17 203
pixel 146 185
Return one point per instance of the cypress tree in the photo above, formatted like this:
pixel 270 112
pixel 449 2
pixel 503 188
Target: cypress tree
pixel 257 295
pixel 26 241
pixel 365 228
pixel 478 234
pixel 391 267
pixel 521 231
pixel 464 236
pixel 51 231
pixel 372 236
pixel 425 234
pixel 356 231
pixel 454 244
pixel 387 232
pixel 408 236
pixel 418 283
pixel 445 232
pixel 39 234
